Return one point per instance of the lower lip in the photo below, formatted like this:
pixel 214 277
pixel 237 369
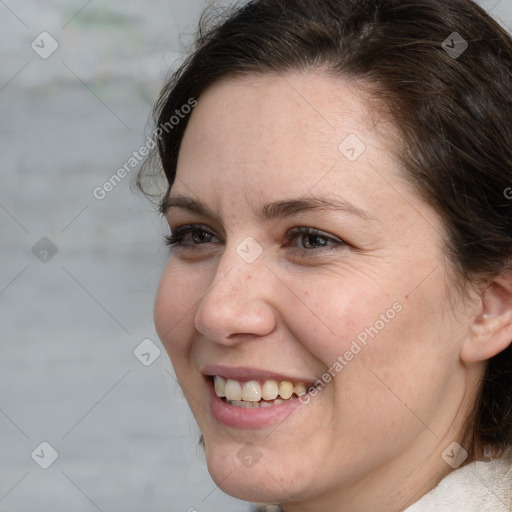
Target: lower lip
pixel 238 417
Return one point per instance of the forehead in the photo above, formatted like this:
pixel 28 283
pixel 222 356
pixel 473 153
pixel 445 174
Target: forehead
pixel 261 134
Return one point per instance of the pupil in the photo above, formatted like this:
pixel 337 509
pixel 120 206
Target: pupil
pixel 315 241
pixel 200 237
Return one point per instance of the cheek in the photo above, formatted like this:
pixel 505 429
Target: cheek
pixel 332 316
pixel 175 301
pixel 374 345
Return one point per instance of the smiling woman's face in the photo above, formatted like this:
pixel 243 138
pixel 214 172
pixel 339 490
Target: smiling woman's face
pixel 303 254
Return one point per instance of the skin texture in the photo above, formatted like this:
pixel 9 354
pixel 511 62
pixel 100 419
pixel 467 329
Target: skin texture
pixel 372 438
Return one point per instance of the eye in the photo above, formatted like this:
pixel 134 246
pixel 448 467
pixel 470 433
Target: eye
pixel 190 236
pixel 312 240
pixel 304 241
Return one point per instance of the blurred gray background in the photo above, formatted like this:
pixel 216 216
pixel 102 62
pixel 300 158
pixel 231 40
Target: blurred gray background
pixel 78 274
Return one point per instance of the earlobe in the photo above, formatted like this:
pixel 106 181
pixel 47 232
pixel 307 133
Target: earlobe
pixel 491 331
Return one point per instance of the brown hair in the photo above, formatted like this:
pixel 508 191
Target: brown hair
pixel 453 109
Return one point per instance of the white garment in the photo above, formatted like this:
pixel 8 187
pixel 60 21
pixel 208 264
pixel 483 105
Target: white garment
pixel 476 487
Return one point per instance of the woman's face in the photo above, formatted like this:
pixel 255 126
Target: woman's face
pixel 304 257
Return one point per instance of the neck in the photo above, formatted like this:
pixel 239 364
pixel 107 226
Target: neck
pixel 390 488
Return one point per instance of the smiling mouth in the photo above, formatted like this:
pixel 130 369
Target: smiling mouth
pixel 255 393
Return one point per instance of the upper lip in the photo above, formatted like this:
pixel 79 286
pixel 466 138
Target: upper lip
pixel 244 373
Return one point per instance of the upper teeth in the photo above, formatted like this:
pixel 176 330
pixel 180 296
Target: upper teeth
pixel 253 391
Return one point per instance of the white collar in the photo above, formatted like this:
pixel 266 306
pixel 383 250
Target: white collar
pixel 476 487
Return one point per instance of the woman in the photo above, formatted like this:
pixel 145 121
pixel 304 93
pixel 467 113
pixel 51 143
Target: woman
pixel 337 304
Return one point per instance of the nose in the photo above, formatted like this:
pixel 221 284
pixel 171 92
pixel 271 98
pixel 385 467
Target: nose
pixel 238 302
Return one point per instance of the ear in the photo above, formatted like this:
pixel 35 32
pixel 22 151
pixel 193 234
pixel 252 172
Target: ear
pixel 491 331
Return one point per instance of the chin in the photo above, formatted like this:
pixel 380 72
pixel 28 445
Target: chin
pixel 237 471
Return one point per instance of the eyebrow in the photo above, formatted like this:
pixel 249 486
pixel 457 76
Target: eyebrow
pixel 270 211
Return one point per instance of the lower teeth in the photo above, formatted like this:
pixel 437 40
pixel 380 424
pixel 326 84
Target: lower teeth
pixel 254 405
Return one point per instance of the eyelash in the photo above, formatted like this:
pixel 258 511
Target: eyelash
pixel 176 239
